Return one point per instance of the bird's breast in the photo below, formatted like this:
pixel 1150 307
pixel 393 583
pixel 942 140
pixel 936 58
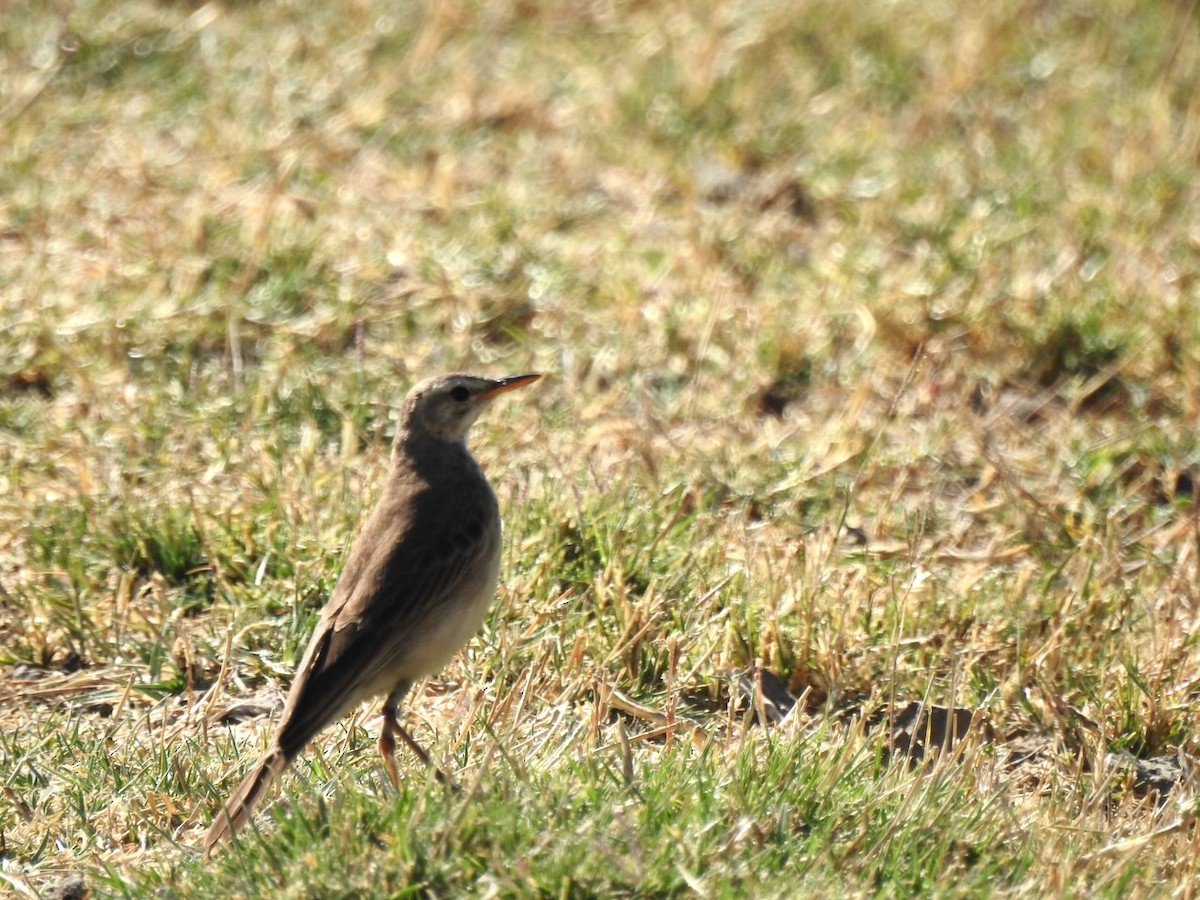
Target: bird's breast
pixel 456 621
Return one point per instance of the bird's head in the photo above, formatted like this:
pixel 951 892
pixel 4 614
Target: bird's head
pixel 445 407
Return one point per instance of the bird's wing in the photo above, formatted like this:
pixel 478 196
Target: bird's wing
pixel 405 566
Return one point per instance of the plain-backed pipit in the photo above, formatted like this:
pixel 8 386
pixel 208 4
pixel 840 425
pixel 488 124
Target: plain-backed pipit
pixel 414 589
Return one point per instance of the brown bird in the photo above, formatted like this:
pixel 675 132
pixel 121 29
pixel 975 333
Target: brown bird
pixel 414 590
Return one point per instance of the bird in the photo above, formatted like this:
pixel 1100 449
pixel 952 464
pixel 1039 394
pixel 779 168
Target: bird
pixel 414 589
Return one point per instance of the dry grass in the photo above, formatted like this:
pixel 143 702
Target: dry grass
pixel 873 361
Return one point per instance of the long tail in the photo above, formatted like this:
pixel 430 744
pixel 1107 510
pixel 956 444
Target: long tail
pixel 241 803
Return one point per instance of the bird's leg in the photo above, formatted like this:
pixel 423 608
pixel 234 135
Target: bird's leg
pixel 387 740
pixel 412 744
pixel 387 743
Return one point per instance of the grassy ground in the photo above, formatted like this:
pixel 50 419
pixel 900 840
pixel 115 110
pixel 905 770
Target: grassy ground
pixel 873 360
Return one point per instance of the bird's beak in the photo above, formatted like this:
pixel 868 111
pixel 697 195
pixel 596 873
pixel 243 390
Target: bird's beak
pixel 512 382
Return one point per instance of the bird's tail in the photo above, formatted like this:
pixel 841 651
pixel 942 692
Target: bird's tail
pixel 237 809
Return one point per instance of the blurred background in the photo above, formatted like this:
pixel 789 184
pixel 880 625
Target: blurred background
pixel 923 270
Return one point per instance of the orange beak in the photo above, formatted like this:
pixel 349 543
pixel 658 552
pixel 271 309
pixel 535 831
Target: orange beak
pixel 511 383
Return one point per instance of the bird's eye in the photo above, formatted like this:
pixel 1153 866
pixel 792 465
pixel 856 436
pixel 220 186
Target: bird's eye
pixel 459 393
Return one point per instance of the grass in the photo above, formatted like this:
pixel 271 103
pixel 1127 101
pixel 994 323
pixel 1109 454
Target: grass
pixel 872 361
